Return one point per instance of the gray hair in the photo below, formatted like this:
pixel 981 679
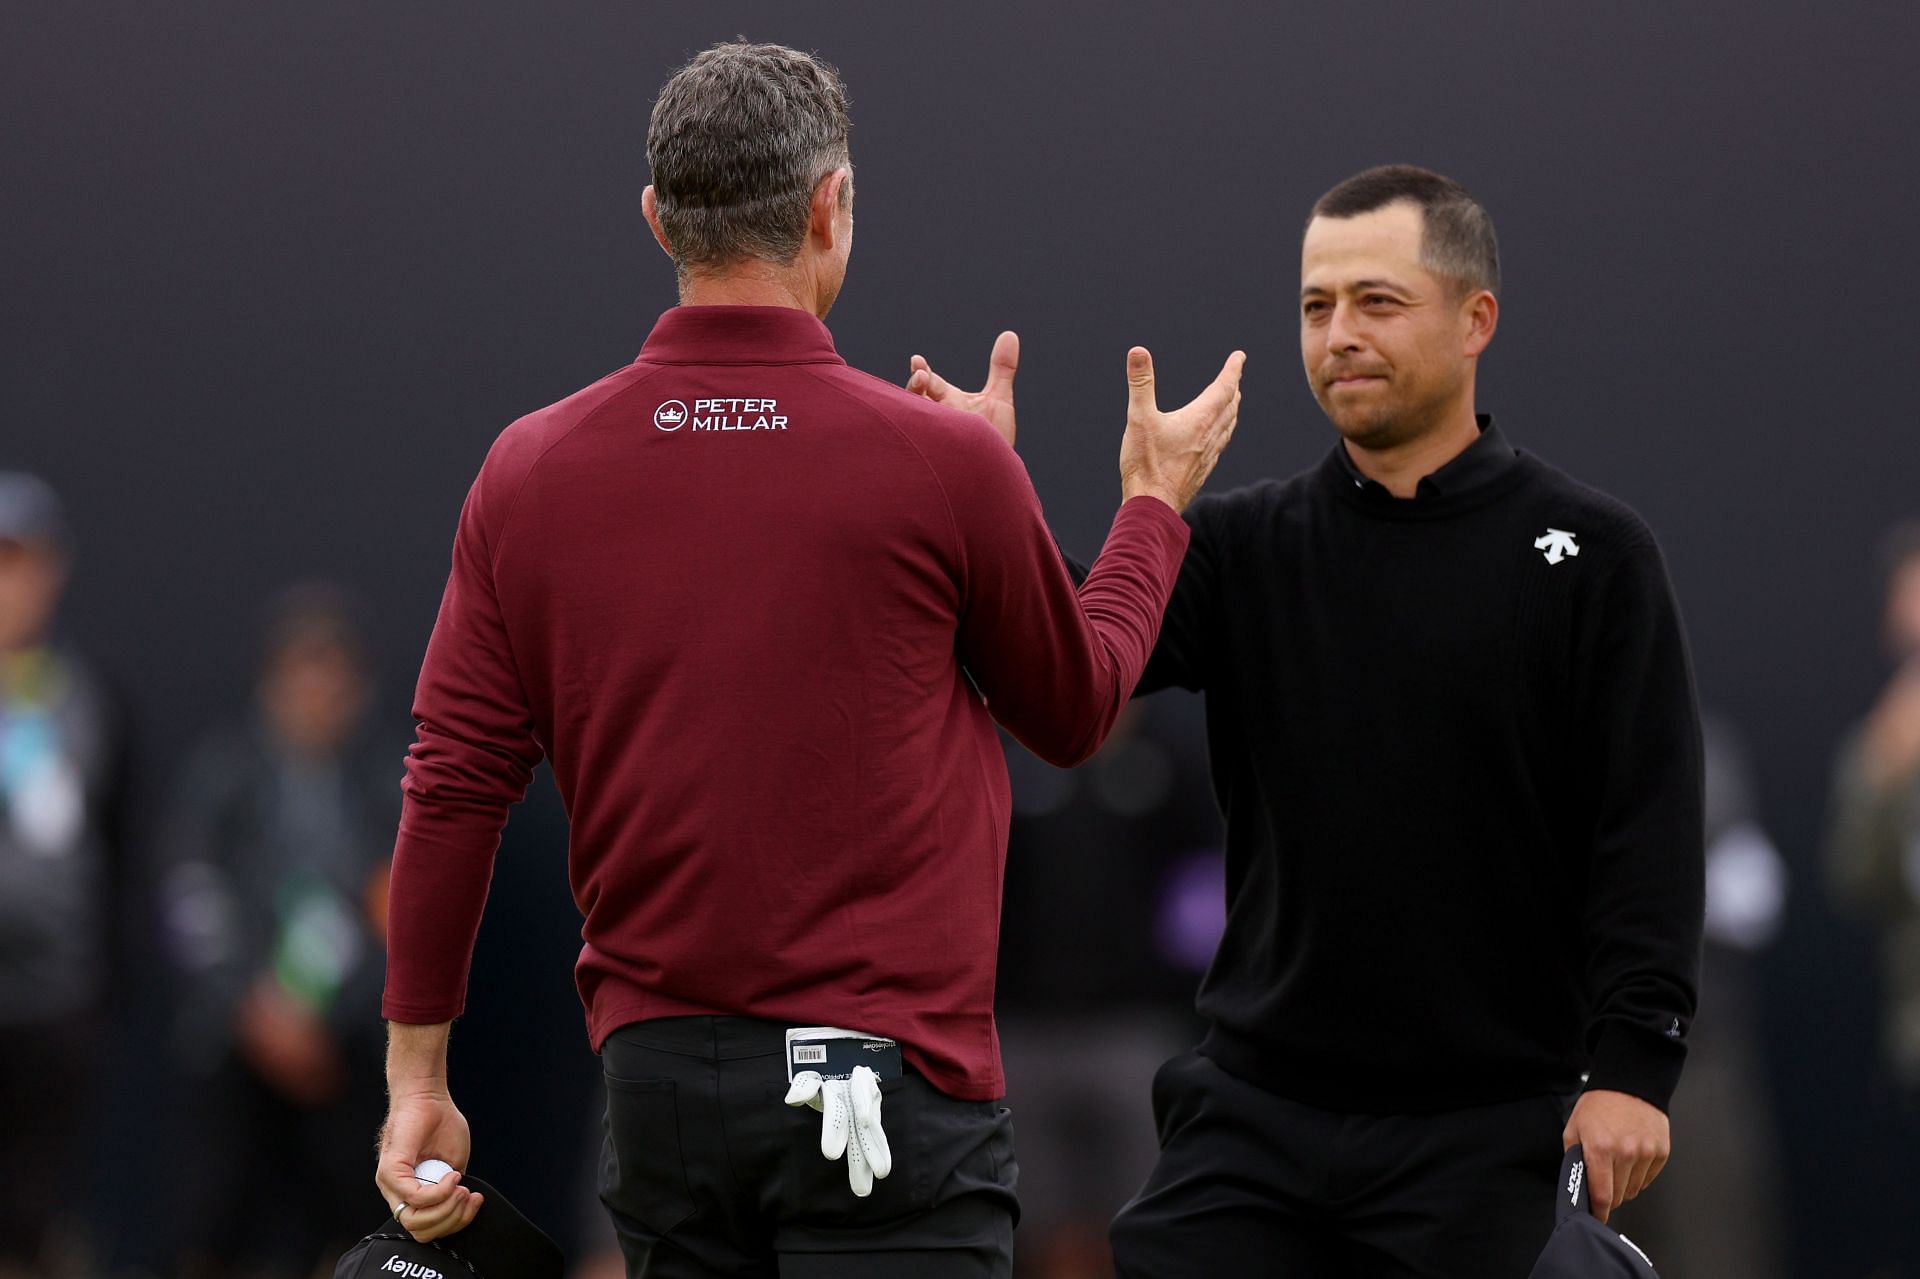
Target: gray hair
pixel 739 138
pixel 1457 241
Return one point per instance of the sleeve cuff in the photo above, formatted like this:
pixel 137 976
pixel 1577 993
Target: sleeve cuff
pixel 1153 508
pixel 1637 1061
pixel 420 1014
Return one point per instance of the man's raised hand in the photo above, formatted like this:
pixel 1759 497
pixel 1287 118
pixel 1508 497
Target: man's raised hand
pixel 1169 455
pixel 994 401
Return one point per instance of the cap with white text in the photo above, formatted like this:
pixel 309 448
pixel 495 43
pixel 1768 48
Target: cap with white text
pixel 1582 1246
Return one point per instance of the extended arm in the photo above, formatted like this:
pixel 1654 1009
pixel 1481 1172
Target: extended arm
pixel 1178 657
pixel 1054 664
pixel 472 761
pixel 1645 891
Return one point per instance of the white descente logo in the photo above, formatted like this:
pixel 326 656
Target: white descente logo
pixel 1557 543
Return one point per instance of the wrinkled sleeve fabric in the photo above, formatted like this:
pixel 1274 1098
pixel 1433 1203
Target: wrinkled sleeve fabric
pixel 1646 883
pixel 1183 656
pixel 473 757
pixel 1054 664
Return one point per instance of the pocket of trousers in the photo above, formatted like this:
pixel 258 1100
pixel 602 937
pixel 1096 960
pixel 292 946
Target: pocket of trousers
pixel 646 1178
pixel 822 1196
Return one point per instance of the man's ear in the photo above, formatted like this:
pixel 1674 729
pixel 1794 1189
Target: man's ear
pixel 650 206
pixel 825 207
pixel 1482 312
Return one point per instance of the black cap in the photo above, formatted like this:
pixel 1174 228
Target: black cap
pixel 499 1244
pixel 1583 1247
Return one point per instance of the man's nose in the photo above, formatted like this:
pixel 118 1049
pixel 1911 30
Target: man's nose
pixel 1342 333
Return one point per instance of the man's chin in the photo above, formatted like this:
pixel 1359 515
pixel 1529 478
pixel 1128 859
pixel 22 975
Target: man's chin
pixel 1371 434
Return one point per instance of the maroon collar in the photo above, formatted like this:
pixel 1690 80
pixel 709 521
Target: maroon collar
pixel 739 335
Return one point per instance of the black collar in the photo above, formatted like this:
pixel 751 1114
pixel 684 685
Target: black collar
pixel 1484 459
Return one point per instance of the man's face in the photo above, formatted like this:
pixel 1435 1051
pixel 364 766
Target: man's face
pixel 1384 340
pixel 315 695
pixel 31 576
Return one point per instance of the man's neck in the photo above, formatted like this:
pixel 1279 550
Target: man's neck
pixel 1400 467
pixel 758 284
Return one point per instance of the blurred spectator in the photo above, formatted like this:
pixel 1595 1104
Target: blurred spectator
pixel 275 913
pixel 1716 1210
pixel 1873 867
pixel 1115 898
pixel 1873 843
pixel 59 791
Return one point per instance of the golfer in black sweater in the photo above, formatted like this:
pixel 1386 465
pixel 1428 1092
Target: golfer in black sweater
pixel 1454 733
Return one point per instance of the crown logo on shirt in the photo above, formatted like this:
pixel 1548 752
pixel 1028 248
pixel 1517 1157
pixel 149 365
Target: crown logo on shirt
pixel 669 416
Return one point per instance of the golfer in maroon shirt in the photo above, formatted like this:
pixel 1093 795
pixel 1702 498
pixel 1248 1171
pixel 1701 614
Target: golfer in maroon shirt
pixel 760 612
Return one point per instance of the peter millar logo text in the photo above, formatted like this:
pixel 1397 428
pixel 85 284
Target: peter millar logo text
pixel 721 413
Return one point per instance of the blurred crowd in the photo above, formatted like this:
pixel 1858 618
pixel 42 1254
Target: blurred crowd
pixel 190 1040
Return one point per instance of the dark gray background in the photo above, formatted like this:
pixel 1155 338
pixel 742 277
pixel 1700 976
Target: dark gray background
pixel 273 276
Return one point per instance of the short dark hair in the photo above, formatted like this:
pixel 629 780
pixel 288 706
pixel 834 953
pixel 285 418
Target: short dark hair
pixel 314 616
pixel 739 138
pixel 1457 239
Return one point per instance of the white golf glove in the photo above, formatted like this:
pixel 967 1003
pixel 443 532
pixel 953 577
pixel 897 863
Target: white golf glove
pixel 849 1121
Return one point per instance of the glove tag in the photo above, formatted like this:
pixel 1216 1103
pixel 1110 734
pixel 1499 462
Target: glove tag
pixel 832 1053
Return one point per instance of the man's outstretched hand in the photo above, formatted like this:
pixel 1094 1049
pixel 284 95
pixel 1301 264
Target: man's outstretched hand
pixel 1165 455
pixel 1169 455
pixel 994 401
pixel 1627 1143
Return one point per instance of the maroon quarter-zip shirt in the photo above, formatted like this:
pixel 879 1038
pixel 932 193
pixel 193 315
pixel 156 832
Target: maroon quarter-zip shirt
pixel 760 610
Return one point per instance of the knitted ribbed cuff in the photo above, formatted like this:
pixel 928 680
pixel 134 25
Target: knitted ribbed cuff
pixel 1637 1061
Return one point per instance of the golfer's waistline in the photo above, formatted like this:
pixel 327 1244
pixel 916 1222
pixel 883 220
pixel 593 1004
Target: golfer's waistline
pixel 711 1038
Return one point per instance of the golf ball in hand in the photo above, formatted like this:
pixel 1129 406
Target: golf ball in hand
pixel 430 1171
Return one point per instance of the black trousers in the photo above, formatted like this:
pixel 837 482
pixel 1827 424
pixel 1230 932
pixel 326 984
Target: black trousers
pixel 1249 1183
pixel 707 1172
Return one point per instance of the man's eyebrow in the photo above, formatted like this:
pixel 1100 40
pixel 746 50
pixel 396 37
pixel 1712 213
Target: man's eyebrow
pixel 1357 286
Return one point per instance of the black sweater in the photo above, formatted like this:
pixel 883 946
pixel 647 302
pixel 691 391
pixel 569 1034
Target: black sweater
pixel 1460 764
